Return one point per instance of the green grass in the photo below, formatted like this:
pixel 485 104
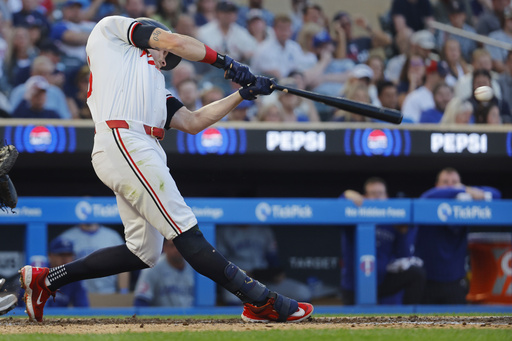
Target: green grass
pixel 421 334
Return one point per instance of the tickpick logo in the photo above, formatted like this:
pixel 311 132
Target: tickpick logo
pixel 83 209
pixel 444 211
pixel 263 211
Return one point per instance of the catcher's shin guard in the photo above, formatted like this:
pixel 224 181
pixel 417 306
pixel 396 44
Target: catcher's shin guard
pixel 244 287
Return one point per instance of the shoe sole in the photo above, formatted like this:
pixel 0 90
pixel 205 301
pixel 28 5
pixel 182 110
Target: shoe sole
pixel 250 320
pixel 7 303
pixel 26 280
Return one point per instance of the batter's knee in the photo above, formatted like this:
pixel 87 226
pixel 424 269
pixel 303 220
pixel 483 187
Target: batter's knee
pixel 147 255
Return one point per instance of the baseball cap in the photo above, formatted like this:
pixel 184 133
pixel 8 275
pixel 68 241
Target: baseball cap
pixel 441 67
pixel 254 13
pixel 61 245
pixel 227 6
pixel 31 21
pixel 362 71
pixel 37 82
pixel 455 6
pixel 69 3
pixel 321 37
pixel 424 39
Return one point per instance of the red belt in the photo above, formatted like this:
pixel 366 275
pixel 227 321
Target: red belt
pixel 158 133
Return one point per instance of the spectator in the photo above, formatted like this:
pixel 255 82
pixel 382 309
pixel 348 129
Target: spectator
pixel 255 249
pixel 86 239
pixel 71 33
pixel 492 19
pixel 443 94
pixel 422 98
pixel 358 48
pixel 270 112
pixel 205 12
pixel 396 63
pixel 361 74
pixel 170 283
pixel 457 18
pixel 257 26
pixel 20 55
pixel 505 78
pixel 240 112
pixel 243 13
pixel 278 56
pixel 457 67
pixel 488 112
pixel 410 14
pixel 443 9
pixel 32 105
pixel 30 16
pixel 73 294
pixel 481 59
pixel 291 105
pixel 183 71
pixel 226 36
pixel 211 95
pixel 504 34
pixel 377 64
pixel 98 9
pixel 296 10
pixel 167 12
pixel 77 102
pixel 135 9
pixel 443 249
pixel 457 111
pixel 189 94
pixel 397 269
pixel 357 92
pixel 411 77
pixel 305 105
pixel 423 43
pixel 55 98
pixel 186 25
pixel 483 78
pixel 387 94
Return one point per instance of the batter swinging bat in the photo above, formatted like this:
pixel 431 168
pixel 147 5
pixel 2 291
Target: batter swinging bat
pixel 383 114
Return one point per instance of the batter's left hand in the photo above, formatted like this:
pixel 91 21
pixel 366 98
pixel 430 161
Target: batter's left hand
pixel 238 72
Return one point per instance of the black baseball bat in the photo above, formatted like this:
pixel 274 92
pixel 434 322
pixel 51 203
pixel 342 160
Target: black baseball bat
pixel 383 114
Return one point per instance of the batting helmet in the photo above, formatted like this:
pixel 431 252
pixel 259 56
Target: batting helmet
pixel 171 60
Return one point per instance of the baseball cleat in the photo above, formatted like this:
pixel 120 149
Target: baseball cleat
pixel 277 309
pixel 36 292
pixel 8 302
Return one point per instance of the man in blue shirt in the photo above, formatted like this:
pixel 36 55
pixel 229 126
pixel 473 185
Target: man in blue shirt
pixel 443 249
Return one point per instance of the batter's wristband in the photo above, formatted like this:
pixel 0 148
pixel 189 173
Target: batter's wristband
pixel 214 58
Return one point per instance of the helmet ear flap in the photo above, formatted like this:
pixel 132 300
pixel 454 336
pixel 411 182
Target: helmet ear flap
pixel 172 60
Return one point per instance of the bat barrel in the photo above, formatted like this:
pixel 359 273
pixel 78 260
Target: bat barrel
pixel 379 113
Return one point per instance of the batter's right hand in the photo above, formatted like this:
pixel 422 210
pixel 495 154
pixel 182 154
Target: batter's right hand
pixel 261 86
pixel 238 72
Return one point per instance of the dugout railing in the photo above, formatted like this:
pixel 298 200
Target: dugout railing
pixel 37 213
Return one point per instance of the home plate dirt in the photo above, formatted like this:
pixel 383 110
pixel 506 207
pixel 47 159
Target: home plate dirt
pixel 135 324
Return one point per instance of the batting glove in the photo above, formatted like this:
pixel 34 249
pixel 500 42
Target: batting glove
pixel 238 72
pixel 261 86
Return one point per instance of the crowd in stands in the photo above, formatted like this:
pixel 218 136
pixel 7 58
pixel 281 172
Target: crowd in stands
pixel 404 64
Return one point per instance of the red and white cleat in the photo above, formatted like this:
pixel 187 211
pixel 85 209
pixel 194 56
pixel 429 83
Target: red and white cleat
pixel 36 292
pixel 277 310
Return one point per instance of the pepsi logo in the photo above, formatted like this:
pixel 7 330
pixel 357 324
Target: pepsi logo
pixel 377 142
pixel 211 140
pixel 40 138
pixel 214 140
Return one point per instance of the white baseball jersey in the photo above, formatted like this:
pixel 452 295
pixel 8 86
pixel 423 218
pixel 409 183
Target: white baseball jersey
pixel 117 67
pixel 126 85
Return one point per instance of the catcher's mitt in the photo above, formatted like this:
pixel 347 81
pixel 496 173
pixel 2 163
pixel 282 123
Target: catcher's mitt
pixel 8 195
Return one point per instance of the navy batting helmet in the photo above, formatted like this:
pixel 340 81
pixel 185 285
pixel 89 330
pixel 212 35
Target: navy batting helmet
pixel 171 60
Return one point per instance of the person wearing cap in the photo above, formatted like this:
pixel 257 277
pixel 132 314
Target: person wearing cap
pixel 422 98
pixel 73 294
pixel 492 19
pixel 243 13
pixel 423 43
pixel 30 16
pixel 361 74
pixel 457 15
pixel 498 54
pixel 279 56
pixel 357 48
pixel 257 26
pixel 71 34
pixel 225 35
pixel 32 106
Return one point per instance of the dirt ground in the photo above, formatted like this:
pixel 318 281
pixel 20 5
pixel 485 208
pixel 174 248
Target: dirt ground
pixel 135 324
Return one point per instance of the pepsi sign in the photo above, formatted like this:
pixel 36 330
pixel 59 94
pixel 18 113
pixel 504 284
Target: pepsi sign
pixel 213 140
pixel 377 142
pixel 41 139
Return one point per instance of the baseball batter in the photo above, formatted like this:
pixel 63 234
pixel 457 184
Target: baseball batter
pixel 132 109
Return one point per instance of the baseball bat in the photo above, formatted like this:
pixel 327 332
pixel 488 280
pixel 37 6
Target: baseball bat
pixel 383 114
